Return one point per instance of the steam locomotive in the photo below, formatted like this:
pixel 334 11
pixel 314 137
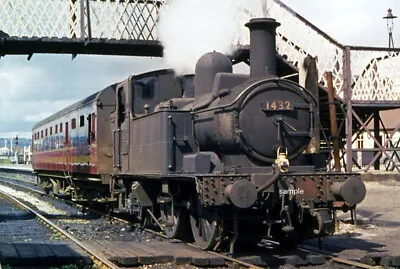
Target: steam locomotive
pixel 231 154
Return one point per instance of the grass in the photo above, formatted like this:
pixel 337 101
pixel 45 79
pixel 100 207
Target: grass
pixel 5 161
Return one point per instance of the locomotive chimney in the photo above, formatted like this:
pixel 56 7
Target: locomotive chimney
pixel 262 47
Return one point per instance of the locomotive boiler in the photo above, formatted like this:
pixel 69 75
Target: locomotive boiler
pixel 222 153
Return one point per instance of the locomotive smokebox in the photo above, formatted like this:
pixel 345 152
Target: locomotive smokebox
pixel 262 47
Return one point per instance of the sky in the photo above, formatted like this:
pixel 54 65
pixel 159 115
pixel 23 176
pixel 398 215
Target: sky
pixel 32 90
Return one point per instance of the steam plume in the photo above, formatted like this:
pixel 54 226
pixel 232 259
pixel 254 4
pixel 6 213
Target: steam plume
pixel 190 28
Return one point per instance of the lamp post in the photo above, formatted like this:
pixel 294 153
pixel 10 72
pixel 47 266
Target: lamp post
pixel 389 19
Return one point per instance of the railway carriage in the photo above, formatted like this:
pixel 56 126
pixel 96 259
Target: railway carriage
pixel 65 144
pixel 234 155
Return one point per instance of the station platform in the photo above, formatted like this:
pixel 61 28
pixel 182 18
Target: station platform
pixel 18 167
pixel 379 175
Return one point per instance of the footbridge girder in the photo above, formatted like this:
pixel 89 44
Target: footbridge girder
pixel 109 27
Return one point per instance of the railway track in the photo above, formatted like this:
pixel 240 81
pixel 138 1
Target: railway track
pixel 337 260
pixel 317 257
pixel 98 259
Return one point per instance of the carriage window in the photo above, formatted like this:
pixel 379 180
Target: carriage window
pixel 93 127
pixel 90 132
pixel 66 138
pixel 73 124
pixel 81 121
pixel 121 106
pixel 93 122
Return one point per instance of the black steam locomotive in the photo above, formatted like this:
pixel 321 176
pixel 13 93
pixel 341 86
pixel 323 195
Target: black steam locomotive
pixel 230 153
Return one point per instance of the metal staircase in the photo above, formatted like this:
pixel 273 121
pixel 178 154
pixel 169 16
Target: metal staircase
pixel 366 79
pixel 372 73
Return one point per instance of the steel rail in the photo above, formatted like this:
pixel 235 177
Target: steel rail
pixel 103 261
pixel 339 260
pixel 230 259
pixel 23 180
pixel 21 186
pixel 233 260
pixel 80 206
pixel 354 263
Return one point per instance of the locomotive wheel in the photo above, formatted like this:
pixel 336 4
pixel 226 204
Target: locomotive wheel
pixel 173 217
pixel 205 225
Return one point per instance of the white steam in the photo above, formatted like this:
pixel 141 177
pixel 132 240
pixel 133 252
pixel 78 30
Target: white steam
pixel 190 28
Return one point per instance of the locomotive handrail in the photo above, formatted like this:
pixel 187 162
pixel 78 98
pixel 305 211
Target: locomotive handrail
pixel 236 99
pixel 213 97
pixel 250 87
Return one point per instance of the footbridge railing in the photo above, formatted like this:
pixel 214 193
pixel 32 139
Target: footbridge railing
pixel 81 18
pixel 365 73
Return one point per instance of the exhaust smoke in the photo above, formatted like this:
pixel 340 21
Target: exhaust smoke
pixel 190 28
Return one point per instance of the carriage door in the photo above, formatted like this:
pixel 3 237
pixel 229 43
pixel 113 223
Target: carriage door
pixel 67 148
pixel 121 132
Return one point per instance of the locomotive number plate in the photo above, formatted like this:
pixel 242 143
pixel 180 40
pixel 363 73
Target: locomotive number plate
pixel 278 105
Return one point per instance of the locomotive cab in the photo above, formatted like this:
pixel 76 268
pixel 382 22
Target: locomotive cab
pixel 140 102
pixel 144 92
